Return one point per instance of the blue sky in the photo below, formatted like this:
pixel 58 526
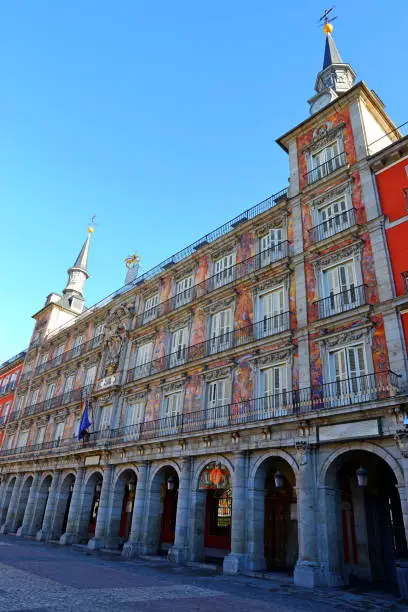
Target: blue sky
pixel 160 118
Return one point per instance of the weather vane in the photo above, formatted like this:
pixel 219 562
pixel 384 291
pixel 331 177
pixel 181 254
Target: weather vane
pixel 92 224
pixel 327 19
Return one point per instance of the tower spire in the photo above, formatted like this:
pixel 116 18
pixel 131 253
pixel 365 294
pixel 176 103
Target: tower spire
pixel 73 296
pixel 336 77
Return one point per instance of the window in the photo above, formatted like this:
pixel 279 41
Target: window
pixel 58 354
pixel 274 389
pixel 13 381
pixel 271 319
pixel 271 246
pixel 76 345
pixel 151 308
pixel 348 375
pixel 143 360
pixel 22 438
pixel 40 435
pixel 9 441
pixel 34 396
pixel 4 383
pixel 171 412
pixel 224 271
pixel 6 410
pixel 19 404
pixel 90 376
pixel 340 291
pixel 58 431
pixel 133 414
pixel 178 347
pixel 217 402
pixel 221 331
pixel 49 394
pixel 333 218
pixel 184 290
pixel 69 383
pixel 325 161
pixel 105 417
pixel 97 334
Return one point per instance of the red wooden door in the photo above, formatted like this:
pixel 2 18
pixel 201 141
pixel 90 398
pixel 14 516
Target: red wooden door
pixel 218 516
pixel 169 517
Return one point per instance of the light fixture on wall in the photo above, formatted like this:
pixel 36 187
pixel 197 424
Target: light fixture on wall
pixel 171 483
pixel 362 477
pixel 131 485
pixel 98 487
pixel 278 478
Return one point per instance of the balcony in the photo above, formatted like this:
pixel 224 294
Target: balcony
pixel 73 353
pixel 232 339
pixel 221 279
pixel 8 389
pixel 334 225
pixel 325 169
pixel 379 386
pixel 58 400
pixel 337 303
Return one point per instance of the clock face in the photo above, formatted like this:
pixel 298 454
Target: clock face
pixel 320 103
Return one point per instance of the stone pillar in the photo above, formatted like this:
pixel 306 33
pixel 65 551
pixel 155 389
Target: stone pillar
pixel 307 572
pixel 103 510
pixel 3 493
pixel 237 560
pixel 179 551
pixel 72 524
pixel 44 532
pixel 132 547
pixel 25 529
pixel 330 536
pixel 12 509
pixel 395 343
pixel 197 550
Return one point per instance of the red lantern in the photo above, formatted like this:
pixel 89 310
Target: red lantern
pixel 216 476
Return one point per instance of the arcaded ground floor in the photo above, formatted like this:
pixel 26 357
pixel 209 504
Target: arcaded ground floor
pixel 37 576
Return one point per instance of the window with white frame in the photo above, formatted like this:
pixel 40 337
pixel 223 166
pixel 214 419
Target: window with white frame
pixel 90 376
pixel 151 307
pixel 13 381
pixel 97 334
pixel 105 418
pixel 340 289
pixel 23 438
pixel 4 383
pixel 49 393
pixel 40 434
pixel 274 388
pixel 19 403
pixel 184 290
pixel 348 374
pixel 221 330
pixel 271 317
pixel 325 161
pixel 6 410
pixel 224 270
pixel 172 406
pixel 9 441
pixel 58 354
pixel 333 218
pixel 178 352
pixel 34 396
pixel 59 430
pixel 271 246
pixel 76 345
pixel 133 413
pixel 143 359
pixel 69 383
pixel 218 396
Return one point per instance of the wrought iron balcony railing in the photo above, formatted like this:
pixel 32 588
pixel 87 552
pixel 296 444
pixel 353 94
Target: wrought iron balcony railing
pixel 329 166
pixel 334 225
pixel 58 400
pixel 337 303
pixel 72 353
pixel 228 275
pixel 8 388
pixel 231 339
pixel 350 391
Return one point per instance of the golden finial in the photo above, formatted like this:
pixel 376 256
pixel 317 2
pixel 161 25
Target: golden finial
pixel 327 19
pixel 92 224
pixel 327 28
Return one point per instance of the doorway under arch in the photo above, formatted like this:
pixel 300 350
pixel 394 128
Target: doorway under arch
pixel 123 499
pixel 162 511
pixel 22 503
pixel 41 504
pixel 62 507
pixel 6 501
pixel 89 509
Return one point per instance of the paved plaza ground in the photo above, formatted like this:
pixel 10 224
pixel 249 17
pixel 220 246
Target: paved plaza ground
pixel 36 577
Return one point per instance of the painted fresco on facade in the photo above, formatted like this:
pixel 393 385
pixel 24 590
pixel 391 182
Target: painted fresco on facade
pixel 193 394
pixel 244 308
pixel 202 273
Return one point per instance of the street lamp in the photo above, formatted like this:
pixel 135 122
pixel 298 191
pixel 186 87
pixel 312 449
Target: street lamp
pixel 171 483
pixel 362 477
pixel 278 478
pixel 131 485
pixel 98 487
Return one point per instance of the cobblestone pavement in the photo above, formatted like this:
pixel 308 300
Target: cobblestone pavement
pixel 37 577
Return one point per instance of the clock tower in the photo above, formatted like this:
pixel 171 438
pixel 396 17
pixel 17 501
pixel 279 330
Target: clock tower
pixel 334 79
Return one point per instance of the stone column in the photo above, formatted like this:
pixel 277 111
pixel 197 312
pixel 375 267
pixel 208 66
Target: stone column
pixel 179 551
pixel 52 500
pixel 132 547
pixel 72 523
pixel 237 560
pixel 307 566
pixel 3 492
pixel 103 510
pixel 12 509
pixel 25 529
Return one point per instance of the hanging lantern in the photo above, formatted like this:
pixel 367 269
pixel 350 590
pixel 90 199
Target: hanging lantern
pixel 171 483
pixel 131 486
pixel 362 477
pixel 98 487
pixel 278 478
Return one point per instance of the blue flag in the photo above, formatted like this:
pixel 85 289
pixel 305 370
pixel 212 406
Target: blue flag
pixel 85 422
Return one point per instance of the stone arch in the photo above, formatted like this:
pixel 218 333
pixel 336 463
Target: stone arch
pixel 272 535
pixel 121 507
pixel 200 466
pixel 22 502
pixel 123 468
pixel 65 490
pixel 5 502
pixel 361 446
pixel 89 505
pixel 160 504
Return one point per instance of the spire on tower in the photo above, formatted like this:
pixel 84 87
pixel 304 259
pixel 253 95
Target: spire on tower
pixel 331 54
pixel 73 297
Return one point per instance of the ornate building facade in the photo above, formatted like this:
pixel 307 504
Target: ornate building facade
pixel 10 372
pixel 247 395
